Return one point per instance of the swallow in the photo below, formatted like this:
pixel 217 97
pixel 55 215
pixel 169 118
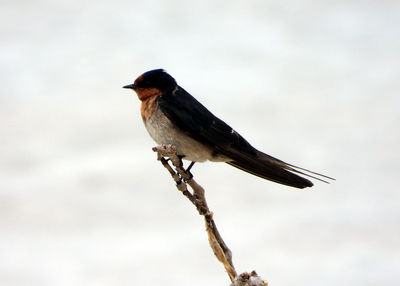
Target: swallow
pixel 172 116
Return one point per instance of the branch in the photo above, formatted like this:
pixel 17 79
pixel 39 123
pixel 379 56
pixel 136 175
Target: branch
pixel 246 279
pixel 183 178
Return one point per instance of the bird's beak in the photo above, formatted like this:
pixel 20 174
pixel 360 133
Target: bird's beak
pixel 131 86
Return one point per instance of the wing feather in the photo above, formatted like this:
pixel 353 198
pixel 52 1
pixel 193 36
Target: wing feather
pixel 198 122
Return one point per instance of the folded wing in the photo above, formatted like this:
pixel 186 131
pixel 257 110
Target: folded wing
pixel 198 122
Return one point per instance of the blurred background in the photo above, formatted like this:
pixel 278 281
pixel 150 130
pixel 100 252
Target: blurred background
pixel 83 200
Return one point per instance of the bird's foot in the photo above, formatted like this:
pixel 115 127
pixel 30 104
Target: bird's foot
pixel 188 170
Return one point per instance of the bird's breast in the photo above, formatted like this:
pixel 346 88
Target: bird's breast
pixel 163 131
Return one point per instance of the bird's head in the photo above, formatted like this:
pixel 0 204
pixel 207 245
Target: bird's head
pixel 154 82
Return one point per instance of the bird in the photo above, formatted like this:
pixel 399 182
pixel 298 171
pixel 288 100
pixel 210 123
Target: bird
pixel 172 116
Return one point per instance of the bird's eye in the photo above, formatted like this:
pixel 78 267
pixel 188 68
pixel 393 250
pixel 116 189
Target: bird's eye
pixel 145 83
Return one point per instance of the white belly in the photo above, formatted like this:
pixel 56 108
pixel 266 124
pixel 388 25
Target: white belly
pixel 161 130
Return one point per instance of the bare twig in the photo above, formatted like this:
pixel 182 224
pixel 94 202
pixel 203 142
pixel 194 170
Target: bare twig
pixel 183 178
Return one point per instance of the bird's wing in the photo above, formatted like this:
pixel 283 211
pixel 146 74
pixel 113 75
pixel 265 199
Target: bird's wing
pixel 198 122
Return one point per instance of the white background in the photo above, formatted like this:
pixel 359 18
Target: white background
pixel 83 200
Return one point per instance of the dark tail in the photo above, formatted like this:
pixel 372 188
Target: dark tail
pixel 270 168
